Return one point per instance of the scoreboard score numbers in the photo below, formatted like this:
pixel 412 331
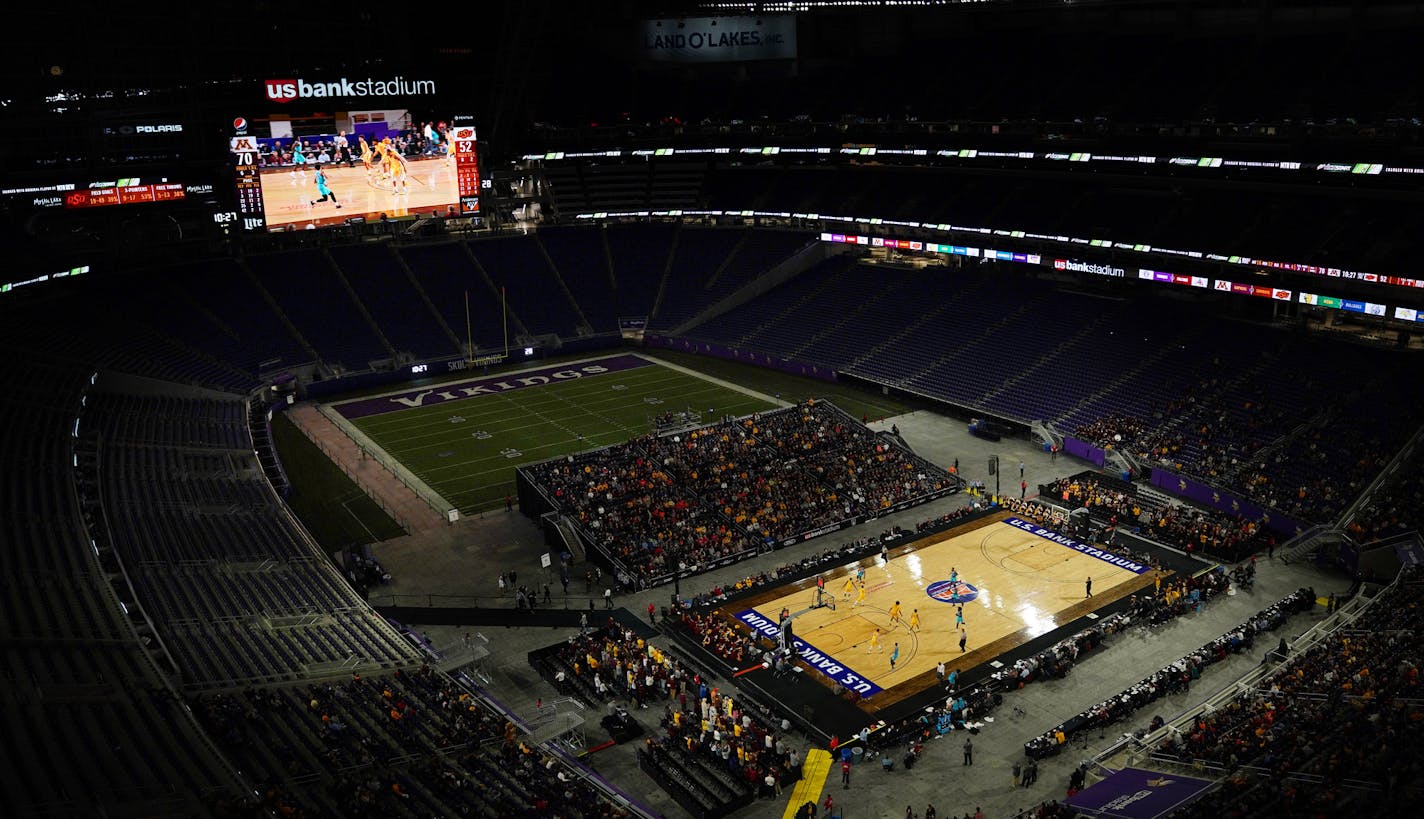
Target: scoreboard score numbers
pixel 467 168
pixel 245 155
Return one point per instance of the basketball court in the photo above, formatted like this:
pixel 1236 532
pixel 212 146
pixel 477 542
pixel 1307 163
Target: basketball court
pixel 287 192
pixel 1015 581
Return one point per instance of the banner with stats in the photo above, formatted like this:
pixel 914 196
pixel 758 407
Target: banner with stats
pixel 718 39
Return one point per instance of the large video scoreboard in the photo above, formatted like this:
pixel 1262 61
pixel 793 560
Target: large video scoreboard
pixel 352 159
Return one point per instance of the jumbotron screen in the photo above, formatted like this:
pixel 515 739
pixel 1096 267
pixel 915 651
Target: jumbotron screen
pixel 295 173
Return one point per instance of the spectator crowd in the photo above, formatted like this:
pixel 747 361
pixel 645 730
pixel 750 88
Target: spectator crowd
pixel 701 726
pixel 1172 679
pixel 679 502
pixel 838 555
pixel 1190 528
pixel 362 735
pixel 1346 708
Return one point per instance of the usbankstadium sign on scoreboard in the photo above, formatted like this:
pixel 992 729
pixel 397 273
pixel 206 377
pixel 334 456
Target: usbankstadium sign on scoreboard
pixel 398 86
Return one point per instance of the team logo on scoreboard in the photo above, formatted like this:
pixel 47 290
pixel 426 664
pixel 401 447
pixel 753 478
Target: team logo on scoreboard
pixel 956 592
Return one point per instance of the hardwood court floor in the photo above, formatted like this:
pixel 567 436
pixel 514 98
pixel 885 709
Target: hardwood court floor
pixel 287 194
pixel 1023 586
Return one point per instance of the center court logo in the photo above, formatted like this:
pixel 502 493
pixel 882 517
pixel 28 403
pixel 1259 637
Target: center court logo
pixel 957 592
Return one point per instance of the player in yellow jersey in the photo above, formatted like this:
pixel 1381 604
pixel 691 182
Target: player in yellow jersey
pixel 915 620
pixel 861 597
pixel 849 588
pixel 378 161
pixel 895 614
pixel 874 642
pixel 366 156
pixel 396 168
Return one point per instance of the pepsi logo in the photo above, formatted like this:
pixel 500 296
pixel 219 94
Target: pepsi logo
pixel 239 124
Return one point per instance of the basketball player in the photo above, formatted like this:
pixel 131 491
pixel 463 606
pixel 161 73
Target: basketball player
pixel 849 588
pixel 378 159
pixel 366 155
pixel 894 655
pixel 322 189
pixel 874 642
pixel 299 162
pixel 915 620
pixel 895 614
pixel 861 597
pixel 860 575
pixel 959 617
pixel 396 168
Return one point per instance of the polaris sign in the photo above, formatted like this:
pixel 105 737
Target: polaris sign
pixel 156 128
pixel 718 39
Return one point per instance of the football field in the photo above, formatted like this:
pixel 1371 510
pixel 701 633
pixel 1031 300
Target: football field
pixel 464 439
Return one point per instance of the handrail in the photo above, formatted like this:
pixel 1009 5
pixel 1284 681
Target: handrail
pixel 590 778
pixel 193 731
pixel 1348 613
pixel 1385 475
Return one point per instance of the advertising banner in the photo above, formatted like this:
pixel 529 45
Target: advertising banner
pixel 1138 794
pixel 785 365
pixel 819 661
pixel 1225 501
pixel 1085 548
pixel 718 39
pixel 1084 450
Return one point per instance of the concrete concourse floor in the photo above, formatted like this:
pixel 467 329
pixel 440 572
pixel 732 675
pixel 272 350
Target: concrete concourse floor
pixel 466 558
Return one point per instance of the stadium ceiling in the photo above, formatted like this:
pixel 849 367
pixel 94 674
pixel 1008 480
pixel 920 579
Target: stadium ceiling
pixel 729 7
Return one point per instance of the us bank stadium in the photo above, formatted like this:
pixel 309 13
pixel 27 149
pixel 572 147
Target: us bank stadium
pixel 860 409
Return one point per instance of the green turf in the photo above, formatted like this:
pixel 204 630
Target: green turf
pixel 329 504
pixel 855 400
pixel 466 450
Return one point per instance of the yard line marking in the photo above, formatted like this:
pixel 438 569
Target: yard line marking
pixel 543 389
pixel 441 430
pixel 406 417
